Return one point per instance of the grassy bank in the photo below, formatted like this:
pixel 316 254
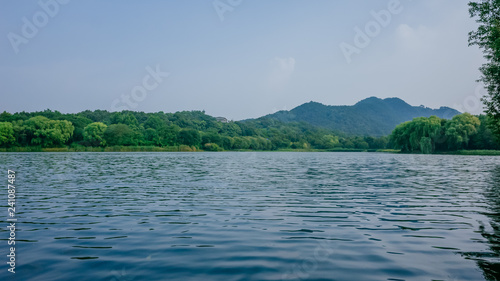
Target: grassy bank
pixel 458 152
pixel 181 148
pixel 185 148
pixel 475 152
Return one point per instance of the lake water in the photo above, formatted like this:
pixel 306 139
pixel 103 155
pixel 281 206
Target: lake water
pixel 253 216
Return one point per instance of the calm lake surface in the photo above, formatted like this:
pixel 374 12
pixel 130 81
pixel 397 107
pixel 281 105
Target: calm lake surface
pixel 253 216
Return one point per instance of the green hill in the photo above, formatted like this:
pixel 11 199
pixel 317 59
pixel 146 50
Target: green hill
pixel 371 116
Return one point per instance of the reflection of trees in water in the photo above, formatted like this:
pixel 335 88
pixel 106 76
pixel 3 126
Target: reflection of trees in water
pixel 490 262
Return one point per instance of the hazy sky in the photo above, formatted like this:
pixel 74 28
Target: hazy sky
pixel 234 58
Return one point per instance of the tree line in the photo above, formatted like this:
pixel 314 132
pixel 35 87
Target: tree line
pixel 428 135
pixel 197 130
pixel 194 129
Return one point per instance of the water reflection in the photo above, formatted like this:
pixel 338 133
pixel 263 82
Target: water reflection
pixel 489 262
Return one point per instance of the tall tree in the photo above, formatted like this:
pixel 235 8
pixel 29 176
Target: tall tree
pixel 420 134
pixel 93 133
pixel 484 138
pixel 48 133
pixel 460 129
pixel 120 134
pixel 190 137
pixel 487 37
pixel 6 134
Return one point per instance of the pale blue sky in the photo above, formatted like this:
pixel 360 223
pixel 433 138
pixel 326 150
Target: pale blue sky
pixel 259 57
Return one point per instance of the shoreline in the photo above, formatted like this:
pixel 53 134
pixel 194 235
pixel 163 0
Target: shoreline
pixel 194 149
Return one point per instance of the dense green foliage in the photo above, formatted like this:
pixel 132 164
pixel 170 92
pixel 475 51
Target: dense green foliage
pixel 193 130
pixel 487 37
pixel 371 116
pixel 40 130
pixel 93 133
pixel 6 134
pixel 427 135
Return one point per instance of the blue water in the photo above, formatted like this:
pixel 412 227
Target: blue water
pixel 253 216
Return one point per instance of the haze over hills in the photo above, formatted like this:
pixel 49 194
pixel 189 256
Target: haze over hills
pixel 372 116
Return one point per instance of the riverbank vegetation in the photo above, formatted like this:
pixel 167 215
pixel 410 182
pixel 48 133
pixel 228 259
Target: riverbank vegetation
pixel 433 134
pixel 182 131
pixel 103 131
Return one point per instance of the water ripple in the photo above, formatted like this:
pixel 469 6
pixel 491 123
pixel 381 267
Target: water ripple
pixel 255 216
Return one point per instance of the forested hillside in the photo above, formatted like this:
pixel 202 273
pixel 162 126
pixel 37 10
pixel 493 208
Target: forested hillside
pixel 371 116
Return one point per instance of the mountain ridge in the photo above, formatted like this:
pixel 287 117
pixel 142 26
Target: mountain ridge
pixel 371 116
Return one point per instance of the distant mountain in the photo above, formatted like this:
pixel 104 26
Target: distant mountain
pixel 371 116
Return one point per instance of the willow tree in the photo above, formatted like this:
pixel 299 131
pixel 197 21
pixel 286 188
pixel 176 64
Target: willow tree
pixel 459 130
pixel 418 135
pixel 487 37
pixel 46 132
